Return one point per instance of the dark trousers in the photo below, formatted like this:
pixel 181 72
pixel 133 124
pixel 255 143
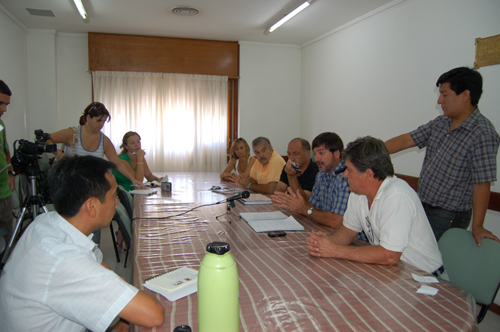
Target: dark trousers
pixel 441 220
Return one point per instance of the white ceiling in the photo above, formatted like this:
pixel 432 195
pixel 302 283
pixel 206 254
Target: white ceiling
pixel 230 20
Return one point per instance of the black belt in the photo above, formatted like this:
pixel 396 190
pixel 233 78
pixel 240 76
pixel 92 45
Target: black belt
pixel 438 272
pixel 428 206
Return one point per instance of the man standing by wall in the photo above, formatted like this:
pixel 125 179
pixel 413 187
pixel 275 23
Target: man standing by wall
pixel 330 193
pixel 386 208
pixel 7 184
pixel 460 160
pixel 266 172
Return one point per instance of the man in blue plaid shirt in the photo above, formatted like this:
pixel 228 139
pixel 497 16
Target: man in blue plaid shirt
pixel 460 161
pixel 330 193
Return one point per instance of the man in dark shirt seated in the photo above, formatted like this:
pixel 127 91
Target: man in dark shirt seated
pixel 299 151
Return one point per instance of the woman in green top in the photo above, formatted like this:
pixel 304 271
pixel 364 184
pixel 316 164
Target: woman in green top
pixel 132 157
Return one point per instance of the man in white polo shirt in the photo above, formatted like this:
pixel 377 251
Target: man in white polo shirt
pixel 386 208
pixel 55 279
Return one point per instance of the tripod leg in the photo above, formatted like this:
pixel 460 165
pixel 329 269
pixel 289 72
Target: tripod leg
pixel 19 224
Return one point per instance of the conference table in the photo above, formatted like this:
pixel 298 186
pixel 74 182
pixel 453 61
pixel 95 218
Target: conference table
pixel 282 287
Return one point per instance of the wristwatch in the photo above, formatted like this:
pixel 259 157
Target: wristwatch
pixel 12 173
pixel 309 212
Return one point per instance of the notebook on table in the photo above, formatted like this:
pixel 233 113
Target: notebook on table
pixel 175 284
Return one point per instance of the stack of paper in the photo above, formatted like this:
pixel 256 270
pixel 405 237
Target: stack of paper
pixel 256 199
pixel 271 221
pixel 174 284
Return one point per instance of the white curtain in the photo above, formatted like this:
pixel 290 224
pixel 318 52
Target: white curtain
pixel 182 119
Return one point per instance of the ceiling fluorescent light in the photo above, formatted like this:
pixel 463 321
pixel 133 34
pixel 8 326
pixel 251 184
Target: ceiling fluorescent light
pixel 81 10
pixel 288 16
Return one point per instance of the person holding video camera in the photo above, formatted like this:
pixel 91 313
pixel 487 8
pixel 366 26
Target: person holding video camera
pixel 7 184
pixel 88 140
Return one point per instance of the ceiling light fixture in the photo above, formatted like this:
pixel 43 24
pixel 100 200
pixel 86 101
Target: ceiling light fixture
pixel 288 16
pixel 185 11
pixel 81 10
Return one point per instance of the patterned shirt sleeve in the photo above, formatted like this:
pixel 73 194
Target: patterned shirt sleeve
pixel 484 159
pixel 314 198
pixel 421 135
pixel 342 196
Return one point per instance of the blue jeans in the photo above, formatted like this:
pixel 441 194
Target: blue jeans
pixel 442 220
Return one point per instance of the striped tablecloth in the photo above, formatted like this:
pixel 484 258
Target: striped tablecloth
pixel 282 288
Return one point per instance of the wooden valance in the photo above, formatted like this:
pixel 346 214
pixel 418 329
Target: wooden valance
pixel 113 52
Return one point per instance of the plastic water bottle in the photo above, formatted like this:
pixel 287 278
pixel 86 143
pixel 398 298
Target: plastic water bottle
pixel 218 290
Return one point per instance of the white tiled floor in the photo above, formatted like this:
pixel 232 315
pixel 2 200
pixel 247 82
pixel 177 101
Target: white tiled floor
pixel 491 322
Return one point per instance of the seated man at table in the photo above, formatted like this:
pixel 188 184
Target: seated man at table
pixel 265 172
pixel 55 279
pixel 386 208
pixel 299 151
pixel 330 193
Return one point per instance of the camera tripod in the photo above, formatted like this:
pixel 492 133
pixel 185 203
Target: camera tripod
pixel 31 206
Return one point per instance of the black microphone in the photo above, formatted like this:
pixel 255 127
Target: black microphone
pixel 244 194
pixel 340 170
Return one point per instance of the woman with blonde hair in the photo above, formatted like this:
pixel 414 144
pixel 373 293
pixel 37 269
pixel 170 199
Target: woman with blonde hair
pixel 132 158
pixel 241 162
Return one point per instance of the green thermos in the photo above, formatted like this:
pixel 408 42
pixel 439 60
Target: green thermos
pixel 218 290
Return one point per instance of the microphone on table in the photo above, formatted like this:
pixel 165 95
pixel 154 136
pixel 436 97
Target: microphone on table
pixel 340 170
pixel 230 201
pixel 244 194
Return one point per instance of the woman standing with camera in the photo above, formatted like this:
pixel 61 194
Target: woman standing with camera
pixel 88 140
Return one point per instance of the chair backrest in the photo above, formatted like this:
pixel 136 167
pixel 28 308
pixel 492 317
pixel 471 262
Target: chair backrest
pixel 127 201
pixel 124 223
pixel 475 269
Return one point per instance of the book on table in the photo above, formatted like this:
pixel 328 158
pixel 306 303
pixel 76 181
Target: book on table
pixel 256 199
pixel 175 284
pixel 271 221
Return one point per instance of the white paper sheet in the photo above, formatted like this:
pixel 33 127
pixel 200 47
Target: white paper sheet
pixel 425 280
pixel 427 290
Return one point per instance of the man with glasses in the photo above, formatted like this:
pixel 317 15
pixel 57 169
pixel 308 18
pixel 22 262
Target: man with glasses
pixel 386 208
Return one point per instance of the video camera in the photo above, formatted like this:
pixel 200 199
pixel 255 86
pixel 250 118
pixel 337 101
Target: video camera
pixel 26 153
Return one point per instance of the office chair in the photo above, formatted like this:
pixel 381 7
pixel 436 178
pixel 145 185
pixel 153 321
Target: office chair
pixel 127 201
pixel 474 269
pixel 125 226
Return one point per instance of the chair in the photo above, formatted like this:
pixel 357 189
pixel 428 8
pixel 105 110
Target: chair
pixel 474 269
pixel 125 226
pixel 127 201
